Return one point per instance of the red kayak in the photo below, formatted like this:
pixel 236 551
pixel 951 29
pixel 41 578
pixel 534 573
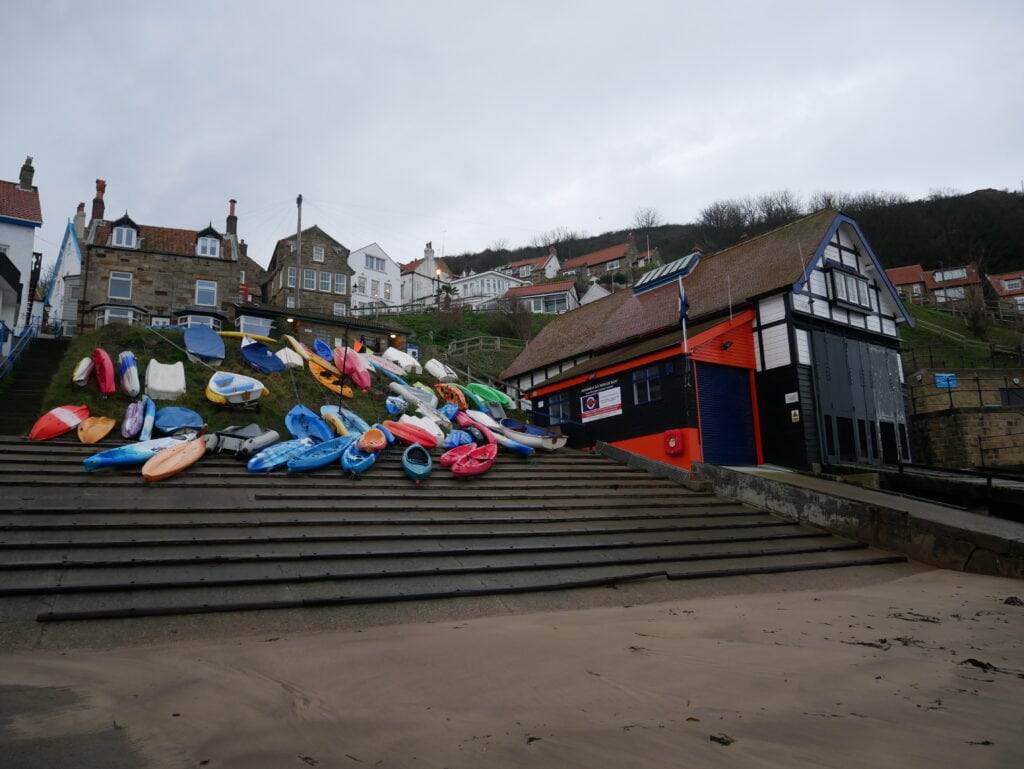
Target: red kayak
pixel 410 433
pixel 465 420
pixel 104 370
pixel 452 456
pixel 351 364
pixel 57 422
pixel 479 460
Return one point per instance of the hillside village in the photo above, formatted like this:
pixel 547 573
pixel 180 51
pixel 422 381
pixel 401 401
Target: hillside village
pixel 781 347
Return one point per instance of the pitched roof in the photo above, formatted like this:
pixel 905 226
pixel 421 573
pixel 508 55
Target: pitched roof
pixel 537 261
pixel 902 276
pixel 411 266
pixel 970 277
pixel 16 203
pixel 749 269
pixel 540 289
pixel 597 257
pixel 997 283
pixel 166 240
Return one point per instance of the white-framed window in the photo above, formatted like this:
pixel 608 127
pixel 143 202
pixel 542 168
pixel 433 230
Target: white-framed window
pixel 293 275
pixel 646 385
pixel 612 265
pixel 241 277
pixel 318 253
pixel 1020 302
pixel 340 284
pixel 1012 285
pixel 289 302
pixel 375 288
pixel 525 270
pixel 957 273
pixel 117 315
pixel 120 285
pixel 361 283
pixel 387 292
pixel 375 263
pixel 206 293
pixel 160 321
pixel 850 289
pixel 125 237
pixel 249 324
pixel 309 280
pixel 191 321
pixel 208 246
pixel 949 294
pixel 340 308
pixel 325 282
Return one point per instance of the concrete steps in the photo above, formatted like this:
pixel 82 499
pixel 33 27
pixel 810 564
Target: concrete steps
pixel 28 382
pixel 77 545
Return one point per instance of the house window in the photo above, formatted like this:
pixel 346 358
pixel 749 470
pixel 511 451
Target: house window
pixel 206 293
pixel 524 272
pixel 361 283
pixel 1012 285
pixel 325 282
pixel 387 292
pixel 318 253
pixel 124 237
pixel 249 324
pixel 191 321
pixel 160 321
pixel 293 274
pixel 120 286
pixel 208 247
pixel 289 302
pixel 309 280
pixel 374 288
pixel 339 283
pixel 949 294
pixel 646 385
pixel 340 308
pixel 957 273
pixel 374 263
pixel 555 304
pixel 612 265
pixel 117 315
pixel 850 289
pixel 558 408
pixel 241 277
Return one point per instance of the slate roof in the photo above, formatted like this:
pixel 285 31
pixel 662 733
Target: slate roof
pixel 16 203
pixel 165 240
pixel 596 257
pixel 537 261
pixel 540 289
pixel 749 269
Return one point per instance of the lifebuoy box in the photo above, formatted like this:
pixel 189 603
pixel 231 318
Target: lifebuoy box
pixel 674 443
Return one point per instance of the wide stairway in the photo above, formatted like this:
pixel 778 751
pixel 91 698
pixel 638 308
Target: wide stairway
pixel 77 545
pixel 29 379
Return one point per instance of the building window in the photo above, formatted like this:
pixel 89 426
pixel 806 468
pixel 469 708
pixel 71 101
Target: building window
pixel 117 315
pixel 325 282
pixel 646 385
pixel 206 293
pixel 375 263
pixel 124 237
pixel 293 274
pixel 524 271
pixel 1012 285
pixel 958 273
pixel 208 247
pixel 289 302
pixel 949 294
pixel 850 289
pixel 558 408
pixel 318 253
pixel 375 288
pixel 160 321
pixel 361 285
pixel 612 265
pixel 120 286
pixel 387 292
pixel 340 308
pixel 191 321
pixel 555 304
pixel 249 324
pixel 339 283
pixel 309 280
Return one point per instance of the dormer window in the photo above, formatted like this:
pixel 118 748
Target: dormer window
pixel 208 247
pixel 124 237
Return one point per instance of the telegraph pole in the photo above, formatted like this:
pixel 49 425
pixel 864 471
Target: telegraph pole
pixel 298 254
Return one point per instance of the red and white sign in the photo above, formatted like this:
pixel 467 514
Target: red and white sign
pixel 601 404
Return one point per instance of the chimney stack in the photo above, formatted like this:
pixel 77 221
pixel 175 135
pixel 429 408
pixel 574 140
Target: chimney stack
pixel 98 206
pixel 232 223
pixel 79 221
pixel 27 172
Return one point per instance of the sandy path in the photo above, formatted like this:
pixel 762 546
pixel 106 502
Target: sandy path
pixel 922 671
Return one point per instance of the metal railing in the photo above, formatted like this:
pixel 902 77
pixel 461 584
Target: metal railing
pixel 962 356
pixel 24 340
pixel 928 394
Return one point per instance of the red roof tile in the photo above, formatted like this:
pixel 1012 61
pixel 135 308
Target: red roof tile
pixel 903 276
pixel 16 203
pixel 162 239
pixel 540 289
pixel 997 281
pixel 971 278
pixel 596 257
pixel 537 261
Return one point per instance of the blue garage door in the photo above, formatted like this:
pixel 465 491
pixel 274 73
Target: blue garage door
pixel 726 415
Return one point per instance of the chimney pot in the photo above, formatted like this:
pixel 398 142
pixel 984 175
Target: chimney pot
pixel 232 221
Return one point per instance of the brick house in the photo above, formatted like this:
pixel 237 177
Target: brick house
pixel 1008 288
pixel 623 258
pixel 909 282
pixel 158 276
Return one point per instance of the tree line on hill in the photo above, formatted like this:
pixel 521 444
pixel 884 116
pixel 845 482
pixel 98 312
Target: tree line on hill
pixel 945 229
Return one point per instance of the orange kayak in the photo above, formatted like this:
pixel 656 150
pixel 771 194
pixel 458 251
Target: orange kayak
pixel 373 440
pixel 173 459
pixel 328 379
pixel 95 429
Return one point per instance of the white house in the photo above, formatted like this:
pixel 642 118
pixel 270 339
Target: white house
pixel 481 289
pixel 539 268
pixel 423 280
pixel 20 215
pixel 377 282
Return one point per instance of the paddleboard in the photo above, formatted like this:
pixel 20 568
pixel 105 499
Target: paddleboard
pixel 173 459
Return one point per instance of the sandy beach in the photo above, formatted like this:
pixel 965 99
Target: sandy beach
pixel 922 669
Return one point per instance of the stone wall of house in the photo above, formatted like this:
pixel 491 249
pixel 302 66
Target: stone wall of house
pixel 161 283
pixel 335 261
pixel 963 438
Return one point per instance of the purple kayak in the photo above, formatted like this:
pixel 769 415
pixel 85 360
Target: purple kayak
pixel 132 423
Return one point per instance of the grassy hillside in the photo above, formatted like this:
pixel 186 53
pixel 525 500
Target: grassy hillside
pixel 946 339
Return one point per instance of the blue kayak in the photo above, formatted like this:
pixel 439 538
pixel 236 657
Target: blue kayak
pixel 148 417
pixel 261 358
pixel 324 350
pixel 170 419
pixel 131 454
pixel 277 455
pixel 202 343
pixel 319 455
pixel 354 460
pixel 303 423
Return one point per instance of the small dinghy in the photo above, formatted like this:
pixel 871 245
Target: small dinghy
pixel 531 435
pixel 128 373
pixel 165 381
pixel 225 388
pixel 290 358
pixel 203 344
pixel 95 429
pixel 243 441
pixel 57 422
pixel 416 462
pixel 354 460
pixel 261 358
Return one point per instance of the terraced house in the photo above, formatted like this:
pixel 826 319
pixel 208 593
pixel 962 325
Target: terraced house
pixel 158 276
pixel 20 215
pixel 790 356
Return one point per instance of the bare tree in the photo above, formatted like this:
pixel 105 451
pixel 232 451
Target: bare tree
pixel 646 218
pixel 556 236
pixel 829 199
pixel 501 244
pixel 775 208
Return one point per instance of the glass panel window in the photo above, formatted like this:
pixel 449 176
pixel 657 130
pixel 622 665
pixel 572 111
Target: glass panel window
pixel 362 284
pixel 374 288
pixel 325 282
pixel 318 253
pixel 612 265
pixel 309 280
pixel 293 275
pixel 374 263
pixel 340 308
pixel 248 324
pixel 208 246
pixel 387 291
pixel 117 315
pixel 191 321
pixel 339 283
pixel 120 285
pixel 289 302
pixel 646 385
pixel 160 321
pixel 1012 285
pixel 206 293
pixel 124 237
pixel 558 408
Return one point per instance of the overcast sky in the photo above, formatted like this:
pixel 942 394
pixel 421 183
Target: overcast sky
pixel 470 123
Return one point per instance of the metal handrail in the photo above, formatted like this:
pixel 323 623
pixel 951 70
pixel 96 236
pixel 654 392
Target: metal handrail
pixel 29 333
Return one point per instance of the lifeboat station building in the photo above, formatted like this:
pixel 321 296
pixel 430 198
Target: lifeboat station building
pixel 782 349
